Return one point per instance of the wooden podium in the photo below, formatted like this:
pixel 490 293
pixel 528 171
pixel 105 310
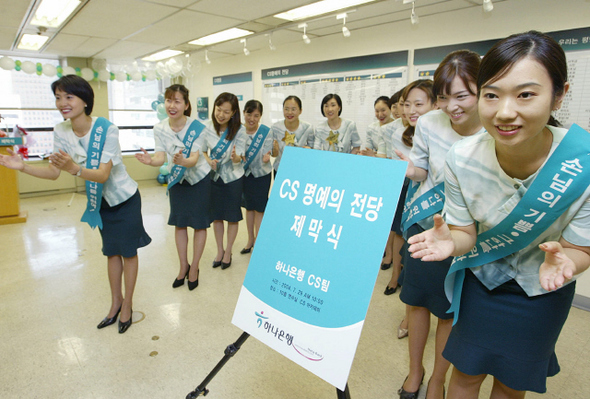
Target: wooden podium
pixel 9 198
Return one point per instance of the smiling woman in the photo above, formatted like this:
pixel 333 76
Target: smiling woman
pixel 336 133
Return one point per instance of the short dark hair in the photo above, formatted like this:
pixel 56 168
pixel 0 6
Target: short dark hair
pixel 327 98
pixel 182 90
pixel 461 63
pixel 507 52
pixel 235 122
pixel 385 99
pixel 79 87
pixel 395 98
pixel 294 98
pixel 253 105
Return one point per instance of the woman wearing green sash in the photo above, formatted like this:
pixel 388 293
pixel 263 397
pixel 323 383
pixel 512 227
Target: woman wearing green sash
pixel 435 132
pixel 518 213
pixel 226 140
pixel 88 147
pixel 189 186
pixel 257 169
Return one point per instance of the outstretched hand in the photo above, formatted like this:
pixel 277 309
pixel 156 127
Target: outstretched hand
pixel 63 161
pixel 557 269
pixel 434 244
pixel 402 156
pixel 12 160
pixel 144 157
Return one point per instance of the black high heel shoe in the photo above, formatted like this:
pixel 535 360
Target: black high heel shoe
pixel 403 394
pixel 193 284
pixel 124 325
pixel 177 283
pixel 107 321
pixel 217 263
pixel 226 265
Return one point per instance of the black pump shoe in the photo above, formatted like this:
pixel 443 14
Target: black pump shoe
pixel 178 283
pixel 226 265
pixel 193 284
pixel 107 321
pixel 217 263
pixel 124 325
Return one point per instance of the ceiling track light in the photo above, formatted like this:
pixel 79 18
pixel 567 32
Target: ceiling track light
pixel 488 6
pixel 345 30
pixel 207 60
pixel 246 51
pixel 270 45
pixel 305 38
pixel 414 18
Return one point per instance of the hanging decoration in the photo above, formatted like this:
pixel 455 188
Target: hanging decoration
pixel 101 71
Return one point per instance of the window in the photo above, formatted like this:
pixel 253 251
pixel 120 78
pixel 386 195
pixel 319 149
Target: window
pixel 130 108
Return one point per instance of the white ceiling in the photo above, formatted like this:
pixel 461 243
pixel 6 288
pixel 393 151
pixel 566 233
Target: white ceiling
pixel 131 29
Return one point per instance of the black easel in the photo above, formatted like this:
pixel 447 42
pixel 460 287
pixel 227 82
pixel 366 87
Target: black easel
pixel 229 352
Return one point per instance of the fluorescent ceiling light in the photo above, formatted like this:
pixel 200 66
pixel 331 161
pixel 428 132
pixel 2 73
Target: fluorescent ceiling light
pixel 32 42
pixel 161 55
pixel 318 8
pixel 52 13
pixel 222 36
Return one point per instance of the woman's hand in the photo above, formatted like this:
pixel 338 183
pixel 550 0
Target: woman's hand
pixel 557 269
pixel 179 159
pixel 434 244
pixel 63 161
pixel 368 152
pixel 12 161
pixel 144 157
pixel 266 157
pixel 234 157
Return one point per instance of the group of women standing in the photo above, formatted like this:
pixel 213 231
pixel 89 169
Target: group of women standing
pixel 480 145
pixel 482 151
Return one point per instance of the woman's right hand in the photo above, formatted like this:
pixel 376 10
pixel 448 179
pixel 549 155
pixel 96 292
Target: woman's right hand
pixel 368 152
pixel 213 163
pixel 144 157
pixel 12 161
pixel 434 244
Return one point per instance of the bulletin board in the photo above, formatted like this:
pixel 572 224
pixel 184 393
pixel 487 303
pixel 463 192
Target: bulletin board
pixel 359 81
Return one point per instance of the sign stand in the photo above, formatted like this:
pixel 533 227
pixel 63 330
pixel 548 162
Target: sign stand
pixel 9 195
pixel 229 352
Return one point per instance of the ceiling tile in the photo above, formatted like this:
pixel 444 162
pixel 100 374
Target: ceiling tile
pixel 116 19
pixel 7 36
pixel 246 10
pixel 182 27
pixel 13 12
pixel 128 50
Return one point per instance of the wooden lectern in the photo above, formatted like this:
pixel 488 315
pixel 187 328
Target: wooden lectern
pixel 9 198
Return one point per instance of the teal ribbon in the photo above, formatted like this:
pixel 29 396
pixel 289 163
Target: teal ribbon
pixel 221 147
pixel 193 132
pixel 532 215
pixel 427 204
pixel 93 189
pixel 256 144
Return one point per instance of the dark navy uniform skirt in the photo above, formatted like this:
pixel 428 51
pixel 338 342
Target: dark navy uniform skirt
pixel 189 204
pixel 122 227
pixel 424 282
pixel 256 192
pixel 226 199
pixel 507 334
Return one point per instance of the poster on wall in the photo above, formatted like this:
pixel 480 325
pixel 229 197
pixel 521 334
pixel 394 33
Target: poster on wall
pixel 317 256
pixel 359 81
pixel 239 84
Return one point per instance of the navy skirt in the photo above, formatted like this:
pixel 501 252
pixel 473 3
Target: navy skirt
pixel 507 334
pixel 189 204
pixel 122 228
pixel 424 282
pixel 256 192
pixel 396 227
pixel 226 199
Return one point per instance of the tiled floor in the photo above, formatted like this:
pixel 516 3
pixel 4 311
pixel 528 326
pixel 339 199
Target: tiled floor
pixel 54 290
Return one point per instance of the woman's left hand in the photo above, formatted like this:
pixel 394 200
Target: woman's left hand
pixel 178 158
pixel 63 161
pixel 266 157
pixel 234 157
pixel 557 269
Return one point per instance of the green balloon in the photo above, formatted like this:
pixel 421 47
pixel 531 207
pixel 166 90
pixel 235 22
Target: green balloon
pixel 59 75
pixel 112 76
pixel 18 63
pixel 59 69
pixel 39 68
pixel 17 68
pixel 39 73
